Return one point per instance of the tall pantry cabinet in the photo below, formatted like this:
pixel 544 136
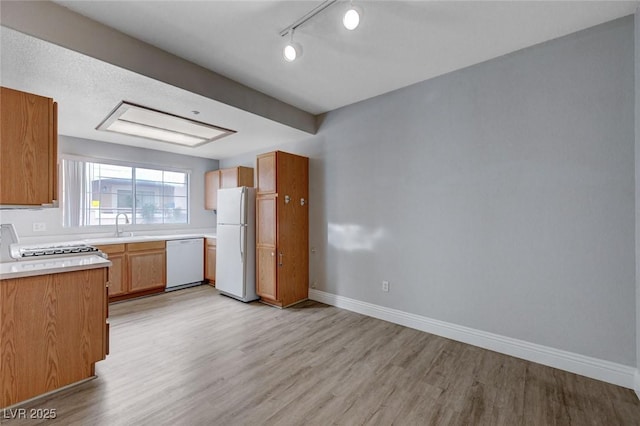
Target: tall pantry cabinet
pixel 282 228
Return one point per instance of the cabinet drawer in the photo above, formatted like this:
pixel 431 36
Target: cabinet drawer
pixel 112 248
pixel 147 245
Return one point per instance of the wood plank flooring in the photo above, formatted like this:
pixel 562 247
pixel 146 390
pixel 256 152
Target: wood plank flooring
pixel 193 357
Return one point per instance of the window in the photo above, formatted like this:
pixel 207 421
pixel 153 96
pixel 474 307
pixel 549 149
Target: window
pixel 94 193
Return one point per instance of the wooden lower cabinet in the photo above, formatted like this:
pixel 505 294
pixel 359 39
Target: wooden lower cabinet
pixel 138 269
pixel 53 330
pixel 146 264
pixel 118 270
pixel 210 261
pixel 266 273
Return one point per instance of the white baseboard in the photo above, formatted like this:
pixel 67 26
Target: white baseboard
pixel 606 371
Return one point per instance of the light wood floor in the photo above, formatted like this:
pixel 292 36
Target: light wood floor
pixel 193 357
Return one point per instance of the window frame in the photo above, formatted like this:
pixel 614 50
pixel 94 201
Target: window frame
pixel 134 165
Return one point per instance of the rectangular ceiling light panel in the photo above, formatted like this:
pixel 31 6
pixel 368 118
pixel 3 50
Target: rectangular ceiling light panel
pixel 148 123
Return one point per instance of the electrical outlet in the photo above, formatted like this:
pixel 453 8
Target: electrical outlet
pixel 39 226
pixel 385 286
pixel 314 284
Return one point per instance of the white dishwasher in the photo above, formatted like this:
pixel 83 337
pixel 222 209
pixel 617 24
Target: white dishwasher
pixel 185 263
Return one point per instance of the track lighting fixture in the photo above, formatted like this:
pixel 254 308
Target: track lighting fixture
pixel 351 20
pixel 292 51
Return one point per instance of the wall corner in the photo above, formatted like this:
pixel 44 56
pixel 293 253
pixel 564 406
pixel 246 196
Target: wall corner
pixel 637 191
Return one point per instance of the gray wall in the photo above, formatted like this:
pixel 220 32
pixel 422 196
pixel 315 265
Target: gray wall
pixel 498 197
pixel 52 217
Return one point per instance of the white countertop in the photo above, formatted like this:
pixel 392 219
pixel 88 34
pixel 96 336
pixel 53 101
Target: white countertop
pixel 109 238
pixel 143 238
pixel 28 268
pixel 43 266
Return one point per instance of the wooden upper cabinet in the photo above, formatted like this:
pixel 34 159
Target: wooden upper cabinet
pixel 245 176
pixel 224 178
pixel 228 178
pixel 29 143
pixel 267 173
pixel 211 185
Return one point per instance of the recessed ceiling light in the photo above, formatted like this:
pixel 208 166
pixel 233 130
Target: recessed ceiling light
pixel 136 120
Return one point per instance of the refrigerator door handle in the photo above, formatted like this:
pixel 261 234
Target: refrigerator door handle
pixel 243 218
pixel 242 221
pixel 240 243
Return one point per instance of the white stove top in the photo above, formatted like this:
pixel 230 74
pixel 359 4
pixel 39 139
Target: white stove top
pixel 71 248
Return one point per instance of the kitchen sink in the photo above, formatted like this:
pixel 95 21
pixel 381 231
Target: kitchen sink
pixel 122 240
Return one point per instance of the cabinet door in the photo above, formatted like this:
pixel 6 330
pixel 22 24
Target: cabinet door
pixel 266 254
pixel 118 282
pixel 267 172
pixel 146 270
pixel 210 264
pixel 266 279
pixel 117 275
pixel 245 176
pixel 229 178
pixel 211 186
pixel 29 149
pixel 53 331
pixel 266 220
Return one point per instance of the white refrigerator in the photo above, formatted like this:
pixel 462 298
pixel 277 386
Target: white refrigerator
pixel 236 243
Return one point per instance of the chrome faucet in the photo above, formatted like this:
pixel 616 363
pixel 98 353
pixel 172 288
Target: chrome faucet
pixel 126 221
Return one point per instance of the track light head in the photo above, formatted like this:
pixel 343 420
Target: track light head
pixel 292 51
pixel 351 18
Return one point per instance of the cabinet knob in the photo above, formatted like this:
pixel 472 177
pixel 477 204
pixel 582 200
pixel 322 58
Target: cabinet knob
pixel 287 199
pixel 302 201
pixel 280 259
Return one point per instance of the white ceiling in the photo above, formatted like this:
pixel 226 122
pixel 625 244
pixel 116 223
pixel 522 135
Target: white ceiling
pixel 87 90
pixel 399 43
